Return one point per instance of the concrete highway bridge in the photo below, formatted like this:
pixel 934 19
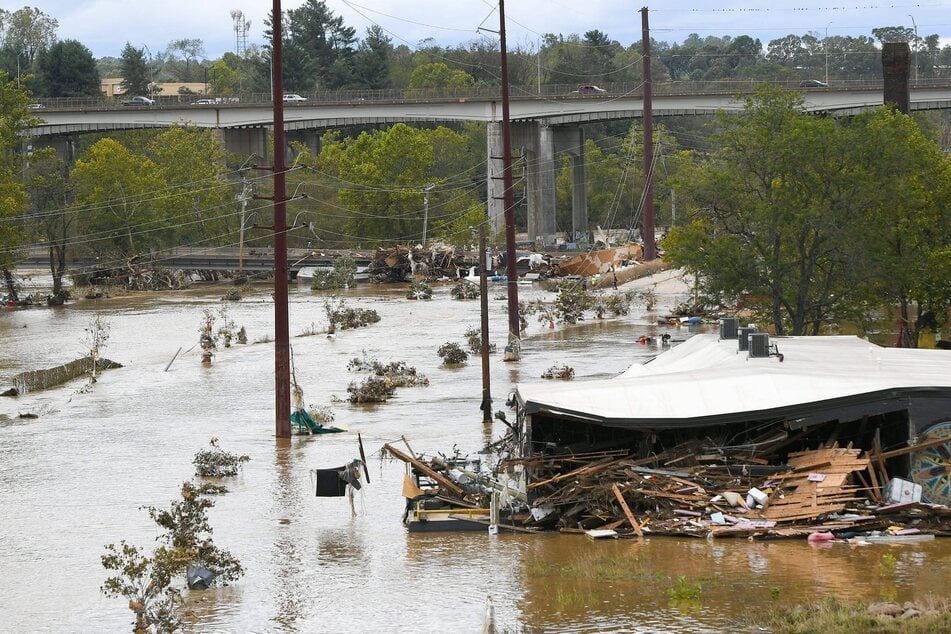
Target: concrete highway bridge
pixel 545 123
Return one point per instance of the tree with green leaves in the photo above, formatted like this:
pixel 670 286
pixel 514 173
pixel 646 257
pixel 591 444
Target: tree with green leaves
pixel 134 68
pixel 51 213
pixel 121 199
pixel 906 221
pixel 774 206
pixel 15 118
pixel 191 162
pixel 371 63
pixel 325 41
pixel 439 75
pixel 380 179
pixel 182 59
pixel 67 69
pixel 27 31
pixel 813 219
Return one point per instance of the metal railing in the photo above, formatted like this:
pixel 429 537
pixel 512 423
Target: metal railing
pixel 482 93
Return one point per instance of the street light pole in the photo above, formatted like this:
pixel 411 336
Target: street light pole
pixel 915 50
pixel 151 78
pixel 825 47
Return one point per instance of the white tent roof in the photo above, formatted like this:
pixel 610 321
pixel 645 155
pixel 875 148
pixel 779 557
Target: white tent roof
pixel 706 380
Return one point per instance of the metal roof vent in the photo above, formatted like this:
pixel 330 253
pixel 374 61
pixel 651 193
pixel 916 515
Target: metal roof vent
pixel 759 345
pixel 729 327
pixel 744 337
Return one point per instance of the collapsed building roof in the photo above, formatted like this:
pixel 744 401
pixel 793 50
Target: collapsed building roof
pixel 707 380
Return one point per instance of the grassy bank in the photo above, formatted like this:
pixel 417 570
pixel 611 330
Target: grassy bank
pixel 927 616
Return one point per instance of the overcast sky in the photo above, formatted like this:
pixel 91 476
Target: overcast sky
pixel 104 26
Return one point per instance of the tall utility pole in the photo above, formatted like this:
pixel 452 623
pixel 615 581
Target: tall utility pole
pixel 243 198
pixel 282 365
pixel 486 406
pixel 513 349
pixel 915 50
pixel 825 49
pixel 647 231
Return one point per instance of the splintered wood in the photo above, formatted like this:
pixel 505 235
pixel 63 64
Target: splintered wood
pixel 827 490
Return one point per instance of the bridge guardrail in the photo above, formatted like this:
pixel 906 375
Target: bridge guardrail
pixel 548 91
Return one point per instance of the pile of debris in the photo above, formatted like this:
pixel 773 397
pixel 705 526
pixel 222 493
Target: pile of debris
pixel 401 263
pixel 820 494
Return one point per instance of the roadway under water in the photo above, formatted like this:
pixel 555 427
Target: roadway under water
pixel 75 479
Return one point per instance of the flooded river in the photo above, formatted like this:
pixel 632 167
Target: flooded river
pixel 75 479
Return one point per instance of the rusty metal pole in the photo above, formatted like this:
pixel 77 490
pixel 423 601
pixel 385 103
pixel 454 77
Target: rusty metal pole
pixel 484 312
pixel 647 231
pixel 513 349
pixel 282 366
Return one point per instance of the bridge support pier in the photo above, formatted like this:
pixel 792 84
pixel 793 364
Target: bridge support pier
pixel 539 146
pixel 63 144
pixel 246 141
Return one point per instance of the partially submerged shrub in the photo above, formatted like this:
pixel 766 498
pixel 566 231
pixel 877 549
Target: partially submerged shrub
pixel 400 374
pixel 216 462
pixel 233 294
pixel 145 580
pixel 419 290
pixel 373 389
pixel 571 303
pixel 341 315
pixel 341 276
pixel 474 338
pixel 648 298
pixel 397 372
pixel 452 354
pixel 465 290
pixel 559 372
pixel 619 303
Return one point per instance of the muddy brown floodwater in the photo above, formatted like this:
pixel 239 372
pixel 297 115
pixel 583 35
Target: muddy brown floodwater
pixel 75 479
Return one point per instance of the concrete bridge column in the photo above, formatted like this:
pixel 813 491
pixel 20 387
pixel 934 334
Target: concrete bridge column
pixel 570 139
pixel 63 144
pixel 494 185
pixel 247 141
pixel 541 186
pixel 310 139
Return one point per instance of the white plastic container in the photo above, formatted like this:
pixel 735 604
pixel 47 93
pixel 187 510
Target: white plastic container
pixel 902 491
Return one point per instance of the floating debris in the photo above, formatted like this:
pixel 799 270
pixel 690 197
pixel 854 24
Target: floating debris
pixel 561 371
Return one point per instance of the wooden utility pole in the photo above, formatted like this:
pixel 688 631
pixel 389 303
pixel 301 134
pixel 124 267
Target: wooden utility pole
pixel 513 349
pixel 282 365
pixel 647 230
pixel 484 312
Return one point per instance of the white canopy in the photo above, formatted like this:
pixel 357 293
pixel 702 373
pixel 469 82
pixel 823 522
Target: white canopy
pixel 706 380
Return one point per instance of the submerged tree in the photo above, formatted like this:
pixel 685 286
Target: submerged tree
pixel 145 580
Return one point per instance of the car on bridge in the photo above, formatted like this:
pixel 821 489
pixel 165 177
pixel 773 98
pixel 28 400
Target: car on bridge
pixel 293 97
pixel 813 83
pixel 203 102
pixel 139 101
pixel 588 89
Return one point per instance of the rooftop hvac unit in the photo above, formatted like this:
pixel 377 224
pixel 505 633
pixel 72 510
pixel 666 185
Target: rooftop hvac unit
pixel 728 327
pixel 759 345
pixel 744 337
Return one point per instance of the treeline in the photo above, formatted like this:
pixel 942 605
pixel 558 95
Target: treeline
pixel 321 52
